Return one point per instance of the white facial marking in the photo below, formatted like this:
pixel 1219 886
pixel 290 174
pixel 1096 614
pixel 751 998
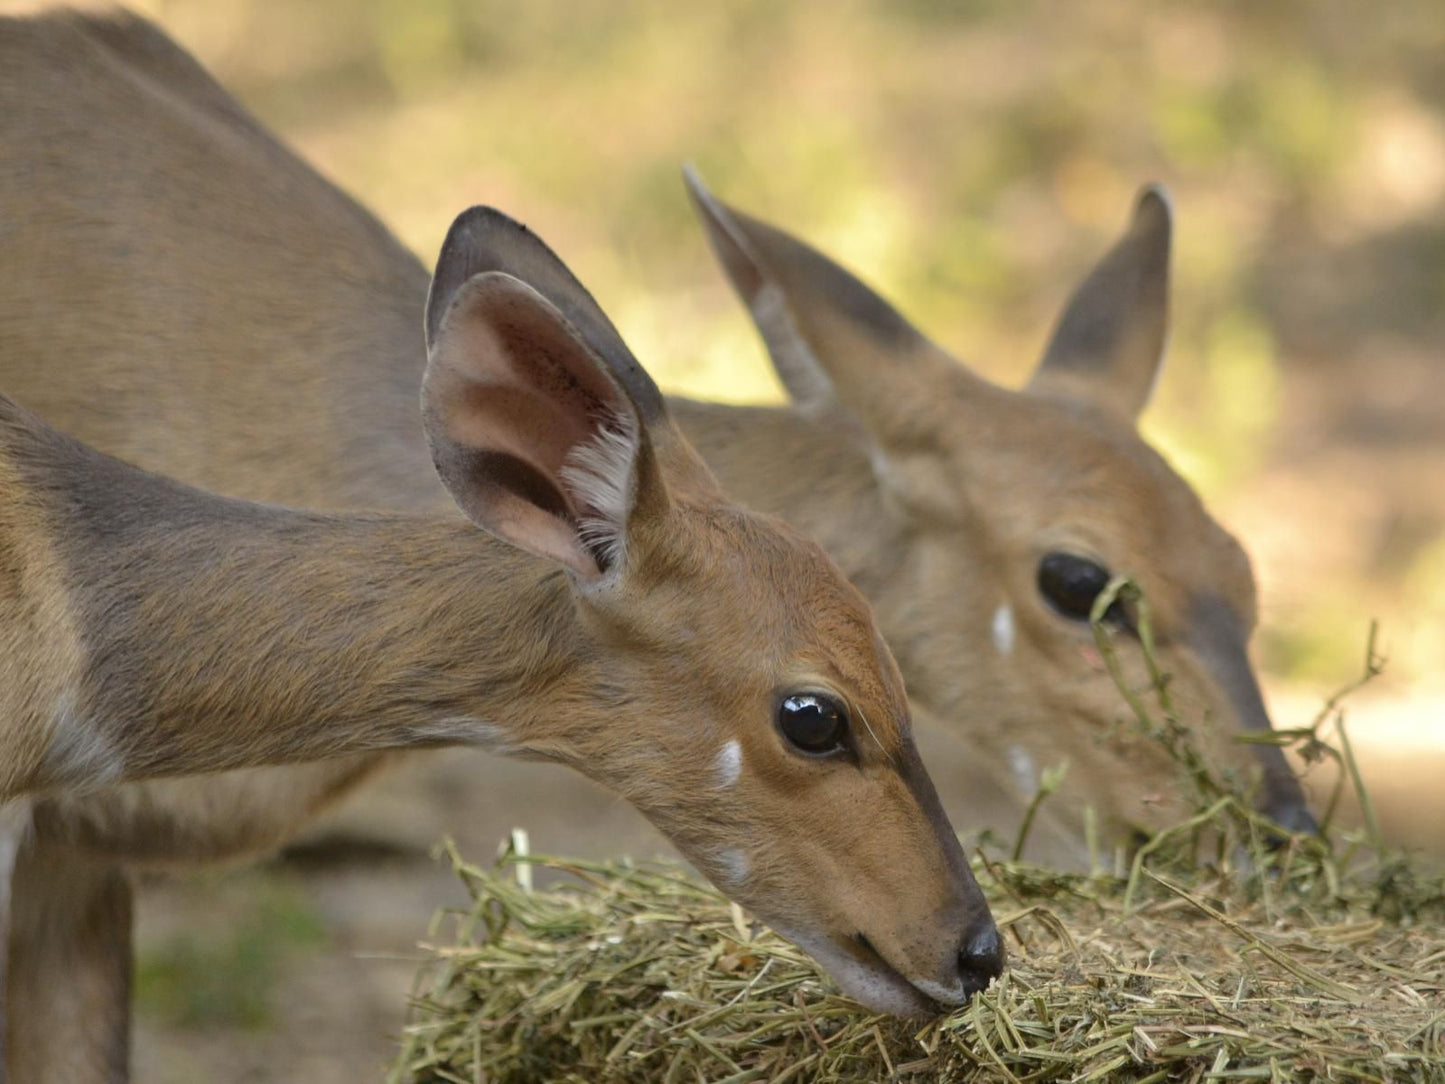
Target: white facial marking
pixel 728 765
pixel 1003 629
pixel 1026 773
pixel 733 867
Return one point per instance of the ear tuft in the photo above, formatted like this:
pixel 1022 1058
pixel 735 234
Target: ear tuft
pixel 600 475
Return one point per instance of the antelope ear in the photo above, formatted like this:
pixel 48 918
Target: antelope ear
pixel 831 338
pixel 1109 344
pixel 484 239
pixel 531 428
pixel 806 382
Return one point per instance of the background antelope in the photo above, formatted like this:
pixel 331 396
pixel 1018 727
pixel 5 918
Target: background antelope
pixel 709 664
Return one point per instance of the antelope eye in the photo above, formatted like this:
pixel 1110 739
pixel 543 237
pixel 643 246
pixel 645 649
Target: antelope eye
pixel 813 723
pixel 1071 583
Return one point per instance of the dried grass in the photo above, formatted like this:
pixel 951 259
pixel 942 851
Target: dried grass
pixel 1220 955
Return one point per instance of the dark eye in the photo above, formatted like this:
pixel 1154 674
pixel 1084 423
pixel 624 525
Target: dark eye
pixel 813 723
pixel 1071 583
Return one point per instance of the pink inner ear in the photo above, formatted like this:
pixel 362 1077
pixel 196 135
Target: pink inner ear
pixel 517 421
pixel 528 526
pixel 512 393
pixel 535 388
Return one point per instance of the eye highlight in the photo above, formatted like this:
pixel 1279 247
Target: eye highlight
pixel 1071 584
pixel 813 723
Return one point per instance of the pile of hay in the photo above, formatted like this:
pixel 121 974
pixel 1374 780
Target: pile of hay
pixel 1216 957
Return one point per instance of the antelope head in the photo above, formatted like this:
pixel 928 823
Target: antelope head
pixel 984 522
pixel 754 713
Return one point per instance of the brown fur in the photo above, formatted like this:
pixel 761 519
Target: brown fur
pixel 218 635
pixel 979 478
pixel 927 483
pixel 935 491
pixel 69 971
pixel 215 635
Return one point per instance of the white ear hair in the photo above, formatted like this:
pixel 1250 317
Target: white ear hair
pixel 600 475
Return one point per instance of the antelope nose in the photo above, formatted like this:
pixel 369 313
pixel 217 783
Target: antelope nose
pixel 980 960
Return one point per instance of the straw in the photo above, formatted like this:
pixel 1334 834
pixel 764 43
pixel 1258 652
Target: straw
pixel 1223 955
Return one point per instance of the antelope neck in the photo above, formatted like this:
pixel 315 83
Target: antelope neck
pixel 217 633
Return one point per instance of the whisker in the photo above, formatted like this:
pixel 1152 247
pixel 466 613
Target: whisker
pixel 869 727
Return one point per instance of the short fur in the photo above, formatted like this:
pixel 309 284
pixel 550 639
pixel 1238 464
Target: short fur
pixel 936 491
pixel 202 634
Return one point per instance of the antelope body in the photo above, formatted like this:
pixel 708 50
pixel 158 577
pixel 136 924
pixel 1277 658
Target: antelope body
pixel 939 494
pixel 619 616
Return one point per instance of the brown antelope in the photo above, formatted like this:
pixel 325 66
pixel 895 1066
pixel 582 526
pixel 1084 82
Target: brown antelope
pixel 1007 511
pixel 709 664
pixel 941 495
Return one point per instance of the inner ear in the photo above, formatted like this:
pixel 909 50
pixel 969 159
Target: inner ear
pixel 519 386
pixel 533 438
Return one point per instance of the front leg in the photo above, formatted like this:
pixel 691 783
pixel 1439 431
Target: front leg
pixel 67 987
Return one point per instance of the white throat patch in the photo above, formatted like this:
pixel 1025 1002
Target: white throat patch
pixel 733 867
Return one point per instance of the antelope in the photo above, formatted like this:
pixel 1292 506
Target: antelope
pixel 1011 510
pixel 939 494
pixel 615 614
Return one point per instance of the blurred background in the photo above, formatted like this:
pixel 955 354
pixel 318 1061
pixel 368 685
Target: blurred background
pixel 970 160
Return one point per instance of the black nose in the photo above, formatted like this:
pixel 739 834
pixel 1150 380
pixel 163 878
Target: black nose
pixel 980 960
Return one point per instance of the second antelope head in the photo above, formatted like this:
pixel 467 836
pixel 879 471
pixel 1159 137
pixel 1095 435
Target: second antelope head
pixel 983 522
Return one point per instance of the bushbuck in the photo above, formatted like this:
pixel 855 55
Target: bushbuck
pixel 619 615
pixel 980 521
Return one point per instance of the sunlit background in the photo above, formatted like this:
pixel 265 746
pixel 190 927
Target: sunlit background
pixel 972 160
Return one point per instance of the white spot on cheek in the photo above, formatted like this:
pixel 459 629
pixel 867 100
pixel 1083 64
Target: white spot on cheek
pixel 728 765
pixel 1003 629
pixel 733 867
pixel 1025 772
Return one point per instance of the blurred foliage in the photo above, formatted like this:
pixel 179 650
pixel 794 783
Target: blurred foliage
pixel 222 975
pixel 972 160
